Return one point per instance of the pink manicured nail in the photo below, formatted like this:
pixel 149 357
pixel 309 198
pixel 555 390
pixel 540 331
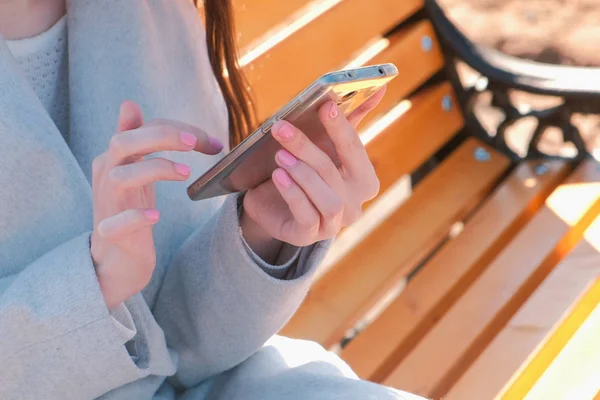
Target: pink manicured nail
pixel 283 131
pixel 287 158
pixel 333 110
pixel 215 143
pixel 182 169
pixel 152 215
pixel 283 178
pixel 188 139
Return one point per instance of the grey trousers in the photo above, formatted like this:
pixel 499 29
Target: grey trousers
pixel 292 369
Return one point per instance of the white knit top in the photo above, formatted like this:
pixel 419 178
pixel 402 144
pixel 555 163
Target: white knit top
pixel 44 59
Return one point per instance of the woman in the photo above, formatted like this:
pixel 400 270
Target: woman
pixel 113 284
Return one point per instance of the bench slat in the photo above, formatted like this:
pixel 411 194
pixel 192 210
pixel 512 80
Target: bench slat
pixel 324 44
pixel 575 373
pixel 407 45
pixel 459 337
pixel 339 298
pixel 519 341
pixel 436 287
pixel 255 18
pixel 413 138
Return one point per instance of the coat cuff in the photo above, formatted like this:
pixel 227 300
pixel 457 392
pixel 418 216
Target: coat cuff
pixel 284 264
pixel 123 322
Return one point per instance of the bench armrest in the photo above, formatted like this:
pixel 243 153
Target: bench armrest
pixel 578 86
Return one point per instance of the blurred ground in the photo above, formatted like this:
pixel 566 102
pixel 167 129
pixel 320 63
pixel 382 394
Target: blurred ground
pixel 553 31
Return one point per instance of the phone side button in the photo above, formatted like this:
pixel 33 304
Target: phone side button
pixel 267 127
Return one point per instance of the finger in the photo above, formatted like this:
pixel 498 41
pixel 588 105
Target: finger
pixel 145 172
pixel 298 144
pixel 119 226
pixel 357 115
pixel 150 139
pixel 349 148
pixel 130 116
pixel 304 212
pixel 327 202
pixel 205 143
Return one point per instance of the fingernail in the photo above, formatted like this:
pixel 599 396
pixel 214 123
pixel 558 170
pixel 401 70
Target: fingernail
pixel 188 139
pixel 286 158
pixel 182 169
pixel 152 215
pixel 283 131
pixel 283 178
pixel 333 110
pixel 215 143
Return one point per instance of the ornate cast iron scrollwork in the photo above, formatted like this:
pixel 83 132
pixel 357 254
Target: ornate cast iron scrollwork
pixel 577 87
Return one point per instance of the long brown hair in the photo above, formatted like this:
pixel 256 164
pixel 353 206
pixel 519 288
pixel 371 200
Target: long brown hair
pixel 223 54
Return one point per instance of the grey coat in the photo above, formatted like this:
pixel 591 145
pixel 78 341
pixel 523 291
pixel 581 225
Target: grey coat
pixel 211 305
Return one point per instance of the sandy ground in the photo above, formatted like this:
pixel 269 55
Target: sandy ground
pixel 553 31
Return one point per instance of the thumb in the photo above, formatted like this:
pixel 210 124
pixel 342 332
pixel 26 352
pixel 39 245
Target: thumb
pixel 357 115
pixel 130 116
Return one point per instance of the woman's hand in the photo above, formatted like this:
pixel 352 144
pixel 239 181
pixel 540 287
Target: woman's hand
pixel 123 180
pixel 309 198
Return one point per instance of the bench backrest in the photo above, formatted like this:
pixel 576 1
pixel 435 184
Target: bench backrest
pixel 402 282
pixel 304 39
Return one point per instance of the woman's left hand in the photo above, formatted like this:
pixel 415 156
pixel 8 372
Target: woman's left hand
pixel 309 198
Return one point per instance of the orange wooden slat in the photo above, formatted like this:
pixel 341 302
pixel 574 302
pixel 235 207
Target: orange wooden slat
pixel 528 330
pixel 415 64
pixel 460 336
pixel 587 256
pixel 575 373
pixel 414 137
pixel 322 45
pixel 339 298
pixel 254 18
pixel 377 350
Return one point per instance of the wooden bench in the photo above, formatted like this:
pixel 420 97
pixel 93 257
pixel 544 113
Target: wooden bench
pixel 477 279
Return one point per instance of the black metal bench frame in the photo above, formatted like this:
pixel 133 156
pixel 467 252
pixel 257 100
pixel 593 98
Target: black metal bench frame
pixel 579 88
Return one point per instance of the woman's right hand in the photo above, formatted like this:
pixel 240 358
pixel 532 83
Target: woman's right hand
pixel 122 245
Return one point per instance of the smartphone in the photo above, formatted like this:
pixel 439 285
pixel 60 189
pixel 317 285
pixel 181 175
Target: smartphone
pixel 253 161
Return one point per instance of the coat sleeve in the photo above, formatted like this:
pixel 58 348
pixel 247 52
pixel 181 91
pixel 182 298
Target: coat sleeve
pixel 218 306
pixel 54 325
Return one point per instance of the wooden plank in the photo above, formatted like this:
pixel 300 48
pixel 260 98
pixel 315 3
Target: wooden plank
pixel 588 252
pixel 575 373
pixel 415 64
pixel 415 136
pixel 324 44
pixel 378 349
pixel 255 18
pixel 527 332
pixel 486 307
pixel 339 298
